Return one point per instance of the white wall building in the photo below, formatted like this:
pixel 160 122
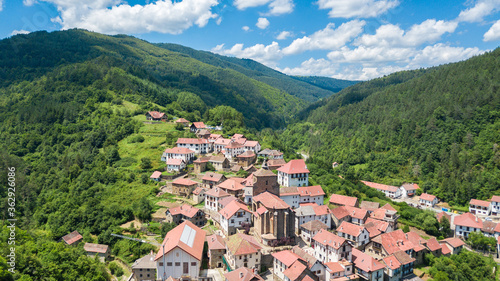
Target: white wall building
pixel 178 153
pixel 495 205
pixel 329 247
pixel 467 223
pixel 311 194
pixel 199 146
pixel 357 234
pixel 233 215
pixel 428 200
pixel 479 207
pixel 294 173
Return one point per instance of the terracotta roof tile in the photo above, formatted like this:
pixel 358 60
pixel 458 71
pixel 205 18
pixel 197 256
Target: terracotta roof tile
pixel 481 203
pixel 242 274
pixel 335 267
pixel 427 197
pixel 445 249
pixel 233 207
pixel 441 214
pixel 216 242
pixel 392 262
pixel 231 184
pixel 174 161
pixel 294 167
pixel 286 257
pixel 295 270
pixel 287 191
pixel 271 201
pixel 191 141
pixel 495 198
pixel 308 191
pixel 314 225
pixel 388 206
pixel 357 213
pixel 454 242
pixel 199 125
pixel 72 237
pixel 329 239
pixel 365 262
pixel 242 244
pixel 351 229
pixel 380 186
pixel 183 181
pixel 156 114
pixel 95 248
pixel 155 175
pixel 403 257
pixel 186 210
pixel 340 212
pixel 181 120
pixel 187 237
pixel 433 244
pixel 468 219
pixel 489 227
pixel 343 200
pixel 217 192
pixel 213 177
pixel 321 210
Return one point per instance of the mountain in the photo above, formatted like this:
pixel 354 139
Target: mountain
pixel 326 83
pixel 438 127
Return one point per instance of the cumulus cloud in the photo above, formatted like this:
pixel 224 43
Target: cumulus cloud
pixel 22 31
pixel 262 23
pixel 357 8
pixel 441 53
pixel 493 34
pixel 319 67
pixel 370 55
pixel 1 5
pixel 276 7
pixel 283 35
pixel 245 28
pixel 481 9
pixel 268 55
pixel 328 38
pixel 29 2
pixel 111 16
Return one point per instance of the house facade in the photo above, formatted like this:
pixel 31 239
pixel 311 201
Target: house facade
pixel 479 207
pixel 243 251
pixel 467 223
pixel 294 173
pixel 428 200
pixel 233 215
pixel 199 146
pixel 183 187
pixel 329 247
pixel 357 234
pixel 182 153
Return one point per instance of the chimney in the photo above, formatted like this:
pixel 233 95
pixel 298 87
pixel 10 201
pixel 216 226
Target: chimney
pixel 241 275
pixel 390 262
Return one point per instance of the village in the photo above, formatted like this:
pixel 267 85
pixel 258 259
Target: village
pixel 250 215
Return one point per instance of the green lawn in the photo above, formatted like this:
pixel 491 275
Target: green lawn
pixel 152 148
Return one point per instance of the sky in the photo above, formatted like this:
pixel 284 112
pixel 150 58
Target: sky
pixel 345 39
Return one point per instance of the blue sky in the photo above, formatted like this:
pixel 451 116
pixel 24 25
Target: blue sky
pixel 347 39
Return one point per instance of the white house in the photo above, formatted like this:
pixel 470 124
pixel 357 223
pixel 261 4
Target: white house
pixel 310 212
pixel 339 269
pixel 181 252
pixel 357 234
pixel 428 200
pixel 212 197
pixel 389 190
pixel 329 247
pixel 284 261
pixel 309 229
pixel 466 223
pixel 178 153
pixel 233 215
pixel 314 265
pixel 293 173
pixel 291 196
pixel 495 205
pixel 369 267
pixel 199 146
pixel 243 251
pixel 251 145
pixel 233 149
pixel 175 165
pixel 479 207
pixel 311 194
pixel 408 189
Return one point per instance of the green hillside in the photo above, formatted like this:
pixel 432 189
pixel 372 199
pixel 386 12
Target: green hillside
pixel 326 83
pixel 439 127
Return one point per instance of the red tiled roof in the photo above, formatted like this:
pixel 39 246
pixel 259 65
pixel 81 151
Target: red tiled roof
pixel 403 257
pixel 217 192
pixel 271 201
pixel 242 244
pixel 399 241
pixel 441 214
pixel 427 197
pixel 469 220
pixel 489 227
pixel 287 257
pixel 250 143
pixel 392 262
pixel 198 190
pixel 445 249
pixel 233 207
pixel 433 244
pixel 261 210
pixel 296 166
pixel 241 141
pixel 156 114
pixel 214 136
pixel 343 200
pixel 388 206
pixel 410 186
pixel 242 274
pixel 314 190
pixel 212 177
pixel 357 213
pixel 351 229
pixel 191 141
pixel 340 212
pixel 380 225
pixel 495 198
pixel 181 120
pixel 174 161
pixel 321 210
pixel 380 186
pixel 287 191
pixel 481 203
pixel 186 210
pixel 187 237
pixel 335 267
pixel 95 248
pixel 216 242
pixel 179 150
pixel 222 202
pixel 295 270
pixel 199 125
pixel 183 181
pixel 231 184
pixel 237 136
pixel 247 154
pixel 233 144
pixel 329 239
pixel 314 225
pixel 372 229
pixel 455 242
pixel 155 175
pixel 222 141
pixel 497 228
pixel 72 237
pixel 365 262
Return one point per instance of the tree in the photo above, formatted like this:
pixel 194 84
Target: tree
pixel 143 209
pixel 229 117
pixel 112 155
pixel 166 227
pixel 146 163
pixel 406 228
pixel 444 226
pixel 179 127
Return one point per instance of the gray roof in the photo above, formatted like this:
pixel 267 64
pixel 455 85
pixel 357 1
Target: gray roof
pixel 148 261
pixel 304 211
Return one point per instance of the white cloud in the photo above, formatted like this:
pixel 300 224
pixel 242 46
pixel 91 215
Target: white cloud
pixel 276 7
pixel 110 16
pixel 268 55
pixel 479 11
pixel 441 53
pixel 29 2
pixel 1 5
pixel 493 34
pixel 262 23
pixel 326 39
pixel 245 28
pixel 357 8
pixel 283 35
pixel 320 67
pixel 370 55
pixel 22 31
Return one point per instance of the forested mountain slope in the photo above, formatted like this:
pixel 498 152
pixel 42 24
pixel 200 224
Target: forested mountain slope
pixel 439 127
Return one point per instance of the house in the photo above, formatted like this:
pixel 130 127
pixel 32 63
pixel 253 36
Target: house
pixel 358 216
pixel 203 134
pixel 232 186
pixel 220 144
pixel 274 164
pixel 379 225
pixel 243 274
pixel 144 269
pixel 311 194
pixel 250 169
pixel 199 146
pixel 455 244
pixel 213 137
pixel 275 154
pixel 100 250
pixel 428 200
pixel 342 270
pixel 210 179
pixel 368 267
pixel 196 126
pixel 289 266
pixel 236 168
pixel 183 187
pixel 408 189
pixel 243 251
pixel 181 252
pixel 233 216
pixel 216 250
pixel 175 165
pixel 479 207
pixel 212 197
pixel 312 212
pixel 342 200
pixel 389 243
pixel 200 165
pixel 434 247
pixel 369 206
pixel 219 162
pixel 223 202
pixel 495 205
pixel 186 212
pixel 294 173
pixel 357 234
pixel 232 149
pixel 335 165
pixel 309 229
pixel 386 215
pixel 273 218
pixel 389 190
pixel 199 195
pixel 329 247
pixel 264 153
pixel 182 121
pixel 182 153
pixel 160 215
pixel 466 223
pixel 291 196
pixel 253 146
pixel 247 158
pixel 442 214
pixel 314 265
pixel 156 176
pixel 156 116
pixel 73 238
pixel 398 266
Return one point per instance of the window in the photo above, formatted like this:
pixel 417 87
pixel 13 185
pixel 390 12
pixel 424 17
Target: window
pixel 193 263
pixel 169 264
pixel 185 266
pixel 177 264
pixel 161 264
